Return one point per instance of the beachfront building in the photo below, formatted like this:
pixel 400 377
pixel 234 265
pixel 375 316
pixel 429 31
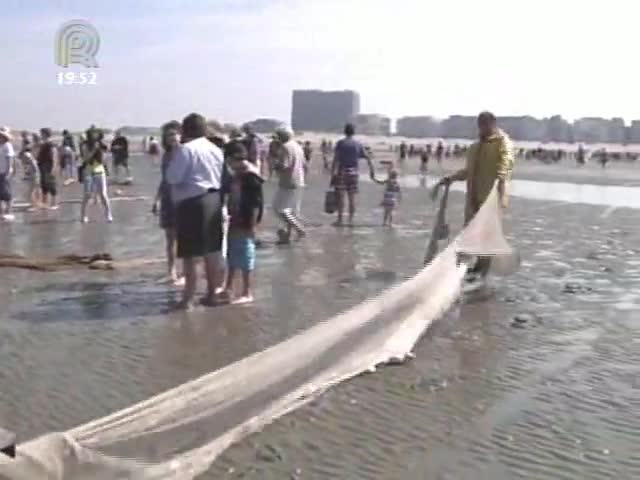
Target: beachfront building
pixel 617 131
pixel 633 132
pixel 557 129
pixel 372 124
pixel 591 130
pixel 323 111
pixel 523 128
pixel 418 127
pixel 459 126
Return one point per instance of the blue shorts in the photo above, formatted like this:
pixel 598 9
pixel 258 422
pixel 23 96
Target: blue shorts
pixel 241 253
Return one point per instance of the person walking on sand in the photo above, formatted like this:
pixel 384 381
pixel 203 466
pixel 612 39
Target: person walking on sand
pixel 7 171
pixel 289 167
pixel 195 176
pixel 46 163
pixel 94 175
pixel 345 171
pixel 489 159
pixel 163 205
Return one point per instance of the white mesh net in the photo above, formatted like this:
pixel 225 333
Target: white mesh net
pixel 178 434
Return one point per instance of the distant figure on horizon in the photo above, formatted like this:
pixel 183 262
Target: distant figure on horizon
pixel 120 154
pixel 308 152
pixel 424 166
pixel 439 152
pixel 47 162
pixel 252 144
pixel 488 159
pixel 604 157
pixel 403 151
pixel 326 151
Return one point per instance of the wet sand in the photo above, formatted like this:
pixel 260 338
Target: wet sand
pixel 535 378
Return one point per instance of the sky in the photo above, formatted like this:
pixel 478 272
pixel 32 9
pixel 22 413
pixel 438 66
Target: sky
pixel 236 60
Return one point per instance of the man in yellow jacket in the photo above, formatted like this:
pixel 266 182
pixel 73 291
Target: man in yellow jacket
pixel 489 159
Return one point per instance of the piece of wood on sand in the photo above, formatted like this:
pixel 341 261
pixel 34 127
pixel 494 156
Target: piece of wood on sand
pixel 98 261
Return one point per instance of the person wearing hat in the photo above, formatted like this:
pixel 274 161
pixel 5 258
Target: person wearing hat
pixel 7 168
pixel 288 197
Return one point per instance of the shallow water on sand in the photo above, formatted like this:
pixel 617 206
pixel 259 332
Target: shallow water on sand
pixel 537 377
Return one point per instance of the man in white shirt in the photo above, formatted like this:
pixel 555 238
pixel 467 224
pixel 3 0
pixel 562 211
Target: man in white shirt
pixel 195 176
pixel 7 169
pixel 289 166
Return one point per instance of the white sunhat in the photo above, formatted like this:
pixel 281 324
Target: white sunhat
pixel 284 130
pixel 6 133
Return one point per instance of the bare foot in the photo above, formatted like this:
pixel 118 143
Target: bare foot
pixel 243 300
pixel 185 305
pixel 177 281
pixel 213 301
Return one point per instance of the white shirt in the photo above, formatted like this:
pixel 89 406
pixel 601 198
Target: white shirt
pixel 7 155
pixel 292 163
pixel 194 169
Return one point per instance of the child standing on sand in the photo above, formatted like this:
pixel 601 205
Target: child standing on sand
pixel 245 202
pixel 392 196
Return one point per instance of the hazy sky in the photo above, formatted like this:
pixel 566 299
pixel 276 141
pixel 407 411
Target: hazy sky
pixel 239 59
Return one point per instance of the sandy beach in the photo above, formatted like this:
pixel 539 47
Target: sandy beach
pixel 536 377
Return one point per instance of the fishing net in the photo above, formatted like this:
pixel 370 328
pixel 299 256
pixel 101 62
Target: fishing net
pixel 179 433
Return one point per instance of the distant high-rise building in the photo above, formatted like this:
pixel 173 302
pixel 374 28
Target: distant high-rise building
pixel 418 127
pixel 323 111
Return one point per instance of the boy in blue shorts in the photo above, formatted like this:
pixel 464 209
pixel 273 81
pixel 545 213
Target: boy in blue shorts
pixel 245 204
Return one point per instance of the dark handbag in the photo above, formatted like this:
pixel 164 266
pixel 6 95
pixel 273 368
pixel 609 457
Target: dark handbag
pixel 330 201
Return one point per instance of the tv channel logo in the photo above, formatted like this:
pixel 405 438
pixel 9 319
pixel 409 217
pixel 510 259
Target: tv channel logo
pixel 77 42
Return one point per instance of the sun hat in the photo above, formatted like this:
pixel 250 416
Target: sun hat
pixel 6 133
pixel 284 130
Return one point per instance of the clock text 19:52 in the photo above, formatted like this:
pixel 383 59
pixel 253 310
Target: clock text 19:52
pixel 72 78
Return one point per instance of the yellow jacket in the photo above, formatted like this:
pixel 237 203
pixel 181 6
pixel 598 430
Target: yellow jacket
pixel 487 161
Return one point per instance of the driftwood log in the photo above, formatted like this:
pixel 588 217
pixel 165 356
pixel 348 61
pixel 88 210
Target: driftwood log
pixel 98 261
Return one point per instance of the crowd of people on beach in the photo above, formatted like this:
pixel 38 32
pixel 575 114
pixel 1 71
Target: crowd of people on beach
pixel 210 196
pixel 208 181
